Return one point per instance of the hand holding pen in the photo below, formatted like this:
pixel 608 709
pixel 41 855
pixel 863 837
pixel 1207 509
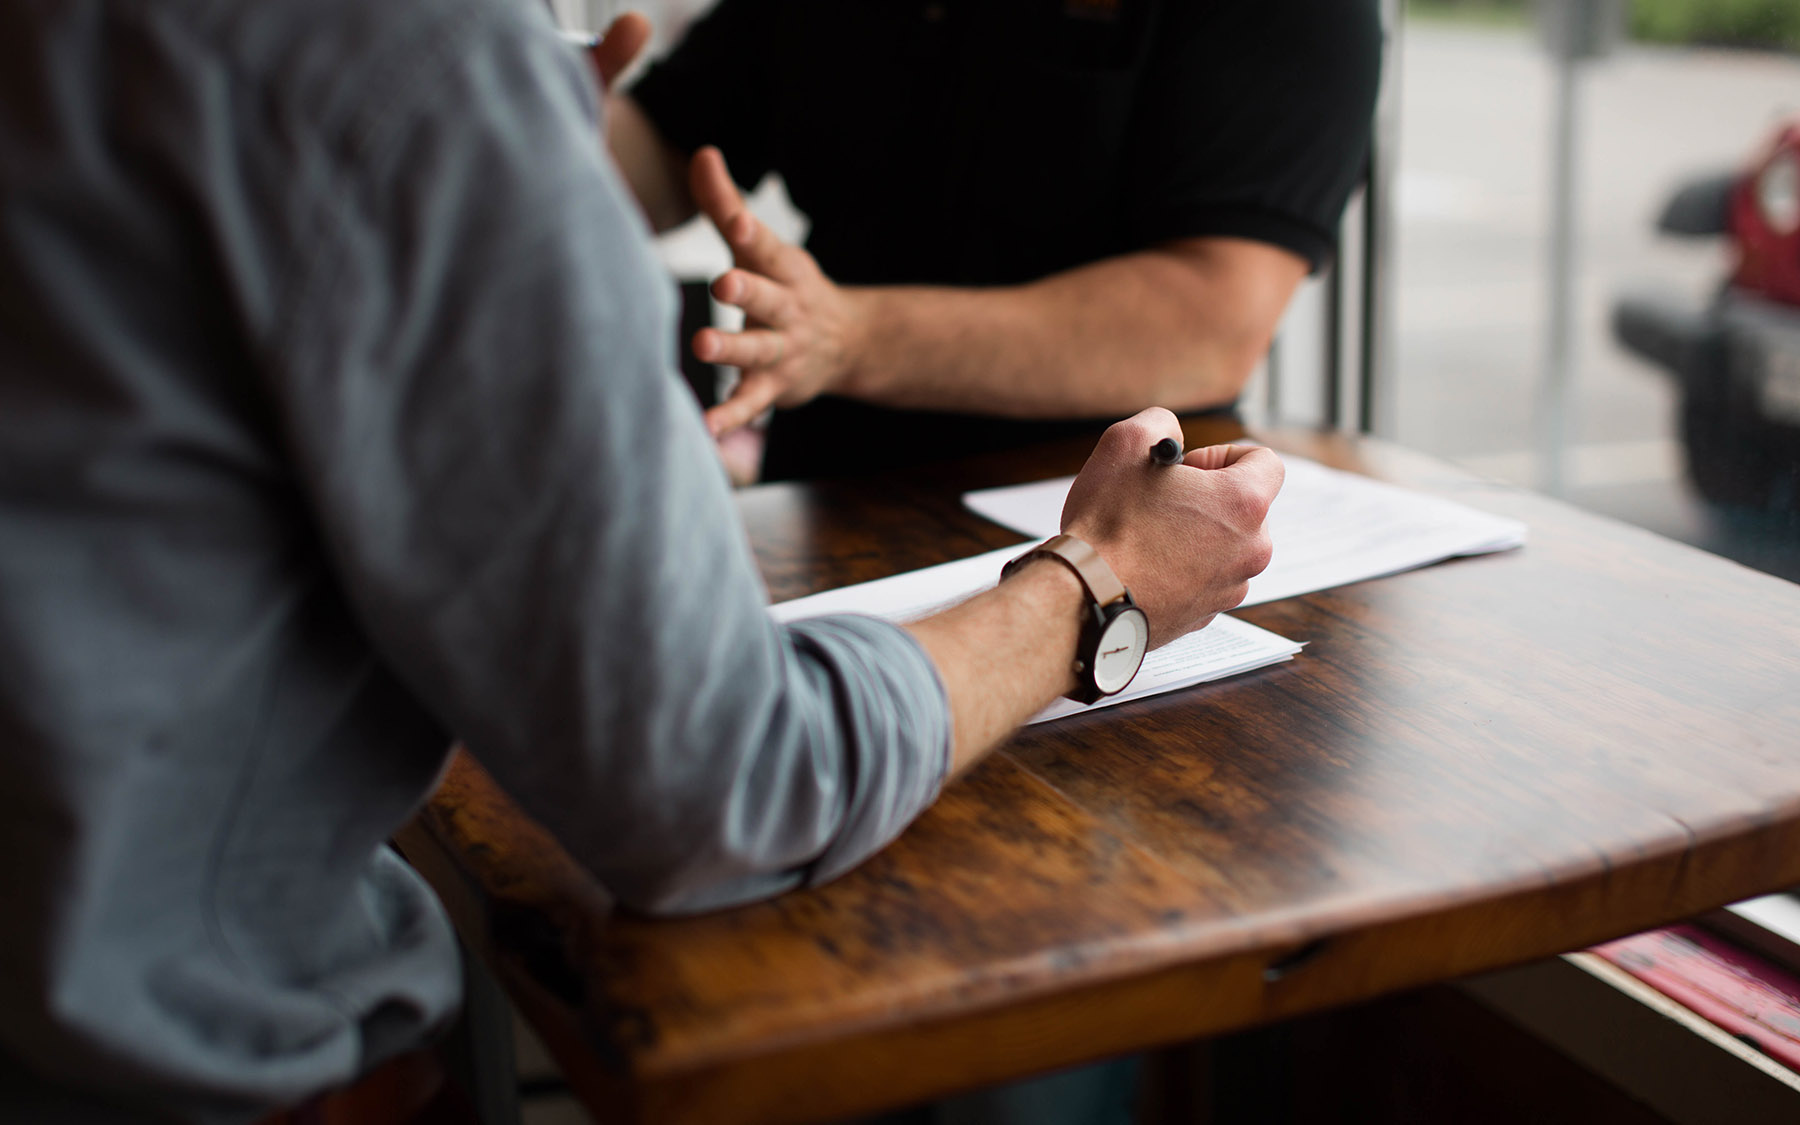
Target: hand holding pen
pixel 1186 543
pixel 1167 453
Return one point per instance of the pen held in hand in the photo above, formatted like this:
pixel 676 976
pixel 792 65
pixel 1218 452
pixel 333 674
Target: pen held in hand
pixel 1166 452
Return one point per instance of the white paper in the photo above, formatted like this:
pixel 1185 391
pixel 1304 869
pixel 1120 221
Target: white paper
pixel 1329 528
pixel 904 597
pixel 1224 648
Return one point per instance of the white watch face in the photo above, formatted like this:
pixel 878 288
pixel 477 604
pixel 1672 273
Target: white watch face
pixel 1122 649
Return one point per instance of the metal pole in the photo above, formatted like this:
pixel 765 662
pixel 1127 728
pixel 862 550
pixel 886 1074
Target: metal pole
pixel 1334 338
pixel 1375 407
pixel 1272 375
pixel 1555 395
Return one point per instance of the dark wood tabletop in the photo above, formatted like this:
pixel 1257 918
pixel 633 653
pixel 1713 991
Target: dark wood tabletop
pixel 1478 763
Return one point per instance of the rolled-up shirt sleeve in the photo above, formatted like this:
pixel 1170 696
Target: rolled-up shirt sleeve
pixel 475 379
pixel 845 673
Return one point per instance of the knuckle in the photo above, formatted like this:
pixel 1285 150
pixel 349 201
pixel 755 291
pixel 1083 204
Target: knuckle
pixel 1260 552
pixel 753 294
pixel 1158 418
pixel 1252 496
pixel 1260 500
pixel 1244 506
pixel 1132 431
pixel 1268 484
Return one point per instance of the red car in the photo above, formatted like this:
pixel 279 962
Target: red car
pixel 1738 360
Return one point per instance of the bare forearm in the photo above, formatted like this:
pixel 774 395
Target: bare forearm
pixel 1180 325
pixel 1181 330
pixel 1004 655
pixel 656 172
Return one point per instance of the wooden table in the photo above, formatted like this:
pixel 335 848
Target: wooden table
pixel 1475 764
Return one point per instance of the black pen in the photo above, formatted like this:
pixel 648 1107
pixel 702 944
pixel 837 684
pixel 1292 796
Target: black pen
pixel 1166 452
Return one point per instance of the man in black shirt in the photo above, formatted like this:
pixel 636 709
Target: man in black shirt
pixel 1024 212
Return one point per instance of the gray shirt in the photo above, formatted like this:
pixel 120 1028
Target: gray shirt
pixel 337 418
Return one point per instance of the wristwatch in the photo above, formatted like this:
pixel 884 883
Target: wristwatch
pixel 1115 634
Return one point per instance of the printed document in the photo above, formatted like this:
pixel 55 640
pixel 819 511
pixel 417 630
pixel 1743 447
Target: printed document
pixel 1329 528
pixel 1224 648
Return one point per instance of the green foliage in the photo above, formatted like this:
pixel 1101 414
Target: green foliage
pixel 1498 13
pixel 1747 23
pixel 1738 23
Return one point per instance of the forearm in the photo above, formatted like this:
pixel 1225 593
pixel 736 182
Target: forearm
pixel 655 171
pixel 1004 655
pixel 1175 328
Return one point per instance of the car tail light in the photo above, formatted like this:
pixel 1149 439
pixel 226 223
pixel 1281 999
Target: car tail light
pixel 1778 193
pixel 1765 222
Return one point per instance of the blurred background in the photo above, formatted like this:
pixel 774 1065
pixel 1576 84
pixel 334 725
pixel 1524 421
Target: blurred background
pixel 1692 87
pixel 1653 94
pixel 1498 116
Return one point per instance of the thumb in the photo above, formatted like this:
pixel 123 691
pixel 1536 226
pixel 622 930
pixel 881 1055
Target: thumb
pixel 620 46
pixel 754 394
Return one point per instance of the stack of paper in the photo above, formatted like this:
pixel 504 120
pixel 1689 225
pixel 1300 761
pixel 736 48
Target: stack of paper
pixel 1224 648
pixel 1329 528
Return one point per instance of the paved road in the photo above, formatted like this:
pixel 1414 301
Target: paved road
pixel 1473 203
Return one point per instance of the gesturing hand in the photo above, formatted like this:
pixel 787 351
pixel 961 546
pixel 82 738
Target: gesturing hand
pixel 799 327
pixel 1187 539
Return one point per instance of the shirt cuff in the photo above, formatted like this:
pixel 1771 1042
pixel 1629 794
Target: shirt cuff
pixel 1255 223
pixel 898 715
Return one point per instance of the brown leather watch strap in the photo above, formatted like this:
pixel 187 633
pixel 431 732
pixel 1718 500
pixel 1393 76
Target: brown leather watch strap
pixel 1079 555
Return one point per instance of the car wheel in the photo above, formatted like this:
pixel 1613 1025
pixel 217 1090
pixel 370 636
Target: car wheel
pixel 1737 460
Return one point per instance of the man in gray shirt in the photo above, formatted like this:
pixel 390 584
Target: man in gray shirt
pixel 337 422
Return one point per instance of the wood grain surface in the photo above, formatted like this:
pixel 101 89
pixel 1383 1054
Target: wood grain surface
pixel 1470 765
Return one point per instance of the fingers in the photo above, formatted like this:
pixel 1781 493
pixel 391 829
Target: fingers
pixel 1132 438
pixel 1156 423
pixel 762 300
pixel 1260 468
pixel 1256 469
pixel 1256 464
pixel 753 348
pixel 709 180
pixel 620 46
pixel 1231 454
pixel 1210 456
pixel 752 244
pixel 753 395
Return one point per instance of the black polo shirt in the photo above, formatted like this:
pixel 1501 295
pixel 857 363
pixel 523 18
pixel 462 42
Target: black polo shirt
pixel 991 142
